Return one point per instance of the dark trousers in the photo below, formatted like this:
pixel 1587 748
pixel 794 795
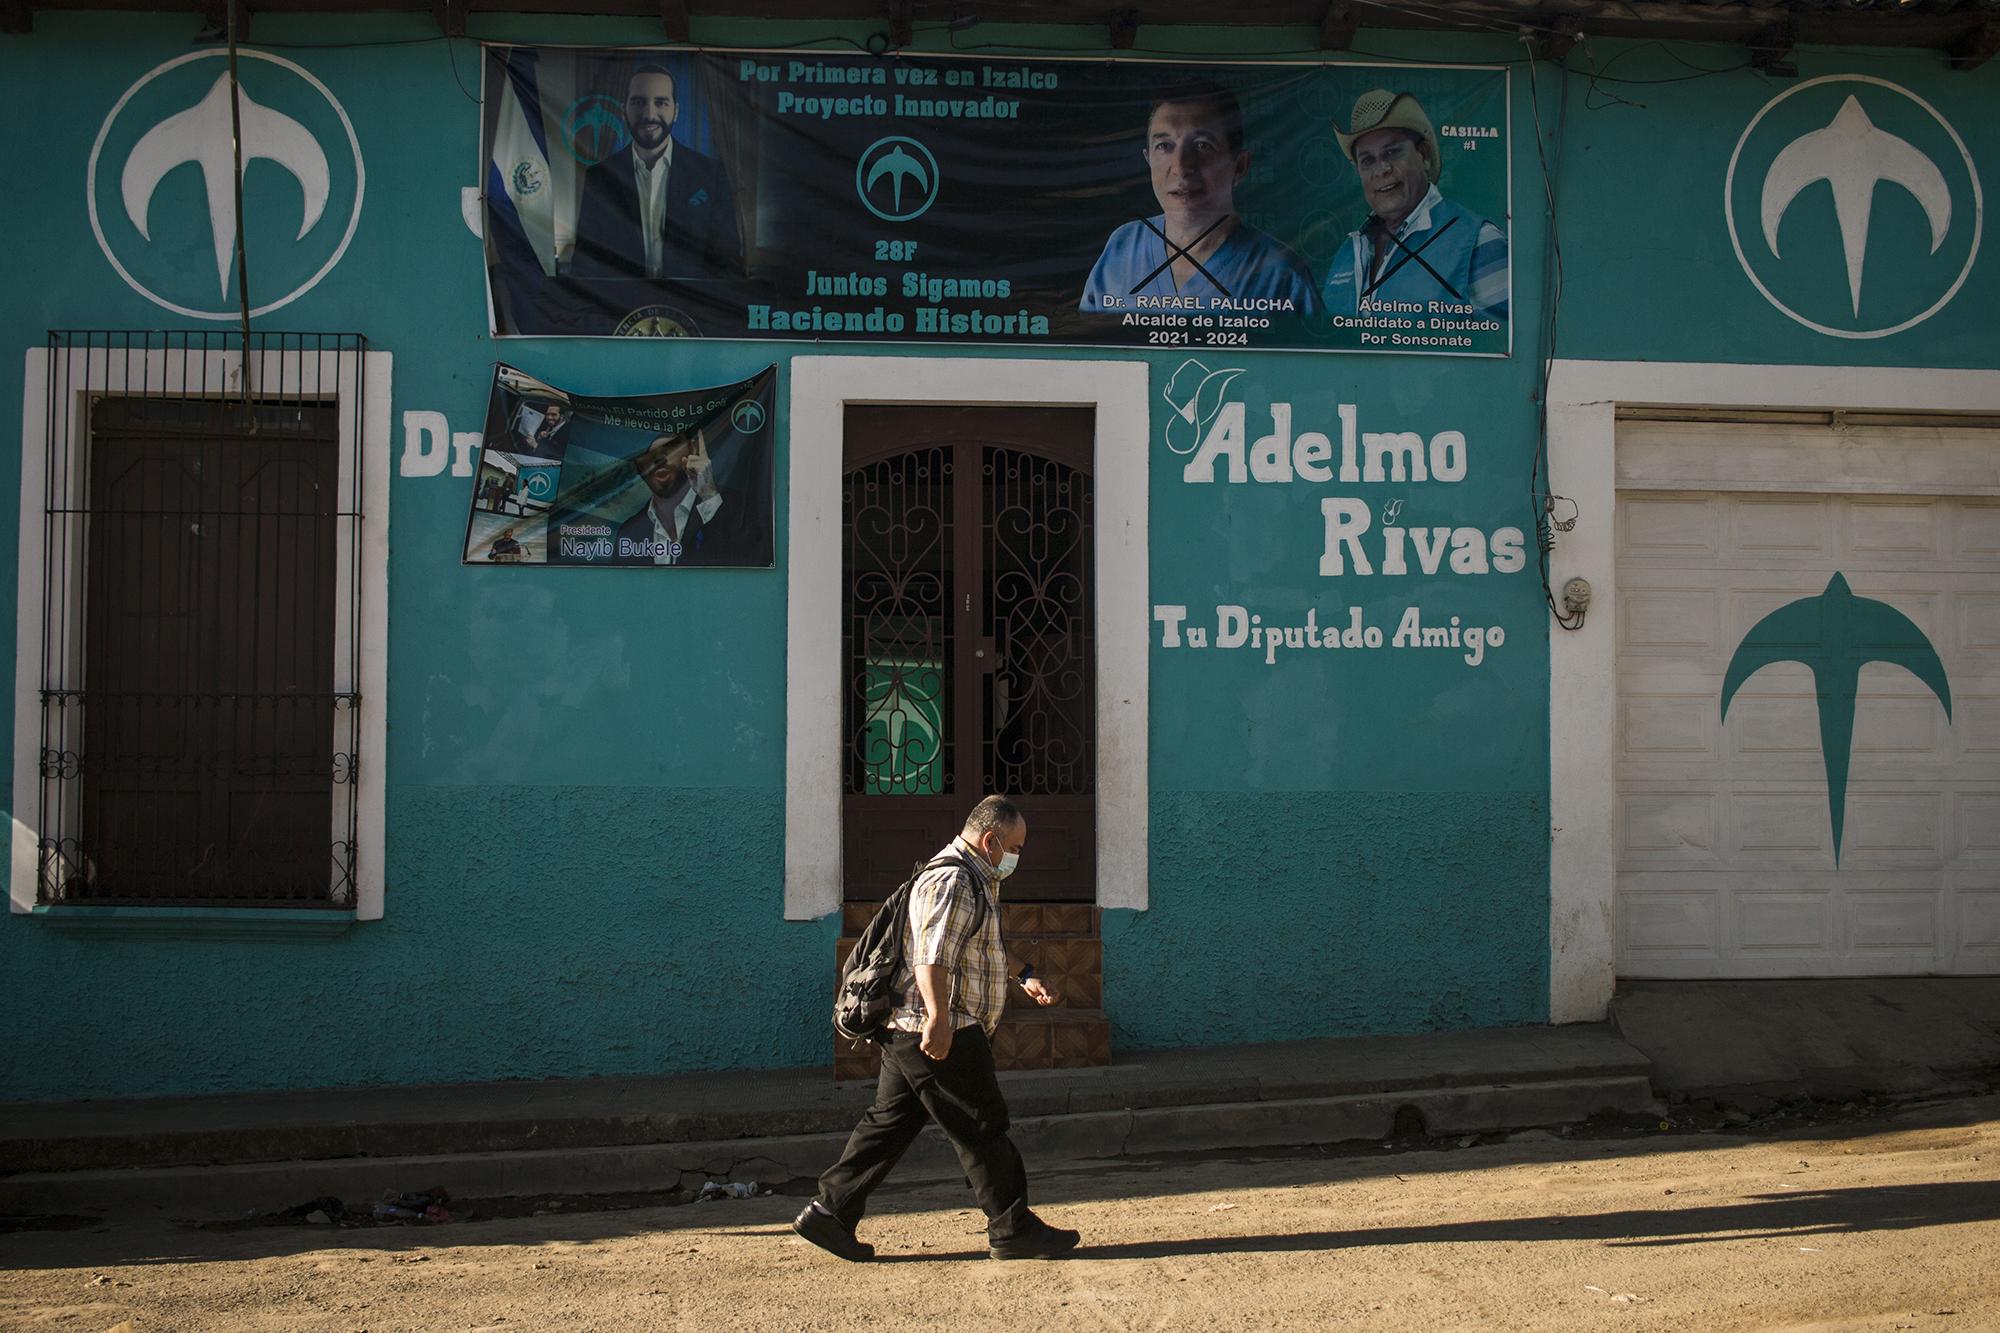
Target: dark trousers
pixel 963 1096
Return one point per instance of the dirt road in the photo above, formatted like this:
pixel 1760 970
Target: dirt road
pixel 1885 1224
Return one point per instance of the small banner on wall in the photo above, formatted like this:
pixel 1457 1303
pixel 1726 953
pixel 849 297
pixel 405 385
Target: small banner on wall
pixel 931 199
pixel 665 479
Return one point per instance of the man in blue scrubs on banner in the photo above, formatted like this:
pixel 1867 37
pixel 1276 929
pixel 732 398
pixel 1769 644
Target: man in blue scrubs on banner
pixel 1418 246
pixel 1197 249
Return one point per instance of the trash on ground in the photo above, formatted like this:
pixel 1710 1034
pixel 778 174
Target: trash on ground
pixel 1220 1207
pixel 730 1189
pixel 320 1212
pixel 427 1206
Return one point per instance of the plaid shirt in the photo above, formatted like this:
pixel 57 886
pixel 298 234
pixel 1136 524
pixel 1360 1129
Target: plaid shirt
pixel 939 929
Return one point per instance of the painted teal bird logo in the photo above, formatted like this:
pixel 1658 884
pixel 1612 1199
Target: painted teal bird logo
pixel 897 164
pixel 899 159
pixel 1834 635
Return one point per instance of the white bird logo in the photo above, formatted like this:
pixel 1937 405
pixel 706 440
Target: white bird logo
pixel 1195 393
pixel 201 135
pixel 1853 157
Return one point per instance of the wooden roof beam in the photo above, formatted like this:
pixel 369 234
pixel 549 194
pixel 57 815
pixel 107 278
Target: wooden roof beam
pixel 902 22
pixel 1338 26
pixel 1556 40
pixel 674 20
pixel 1976 47
pixel 1124 29
pixel 1771 51
pixel 215 21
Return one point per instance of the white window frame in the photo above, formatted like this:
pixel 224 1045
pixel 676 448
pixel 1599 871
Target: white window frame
pixel 1584 398
pixel 358 384
pixel 821 389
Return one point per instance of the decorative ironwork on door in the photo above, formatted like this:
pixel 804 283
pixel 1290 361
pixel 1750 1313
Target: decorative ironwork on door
pixel 1040 737
pixel 899 634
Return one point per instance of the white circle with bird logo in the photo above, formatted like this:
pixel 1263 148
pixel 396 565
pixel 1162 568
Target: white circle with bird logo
pixel 147 214
pixel 1830 162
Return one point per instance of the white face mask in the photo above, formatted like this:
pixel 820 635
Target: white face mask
pixel 1007 864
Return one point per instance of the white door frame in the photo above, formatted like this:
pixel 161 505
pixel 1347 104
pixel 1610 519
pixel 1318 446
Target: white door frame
pixel 821 389
pixel 1584 397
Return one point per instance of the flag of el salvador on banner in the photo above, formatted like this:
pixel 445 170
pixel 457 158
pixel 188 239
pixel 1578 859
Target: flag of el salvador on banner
pixel 520 193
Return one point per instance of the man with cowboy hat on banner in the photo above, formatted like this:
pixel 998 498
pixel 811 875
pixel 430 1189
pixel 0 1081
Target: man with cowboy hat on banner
pixel 1417 246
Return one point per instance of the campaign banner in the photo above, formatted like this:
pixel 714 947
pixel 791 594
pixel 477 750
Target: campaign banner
pixel 796 195
pixel 674 480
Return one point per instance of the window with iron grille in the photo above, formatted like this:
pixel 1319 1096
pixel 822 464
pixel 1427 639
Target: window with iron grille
pixel 201 631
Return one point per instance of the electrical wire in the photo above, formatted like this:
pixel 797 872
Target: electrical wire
pixel 236 185
pixel 1464 25
pixel 451 54
pixel 1596 78
pixel 1540 497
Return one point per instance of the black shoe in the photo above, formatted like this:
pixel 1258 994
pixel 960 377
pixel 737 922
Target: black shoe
pixel 1025 1236
pixel 831 1235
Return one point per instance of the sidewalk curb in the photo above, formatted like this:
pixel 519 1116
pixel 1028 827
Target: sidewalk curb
pixel 196 1192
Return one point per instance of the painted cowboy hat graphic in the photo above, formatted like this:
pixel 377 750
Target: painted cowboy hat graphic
pixel 1380 109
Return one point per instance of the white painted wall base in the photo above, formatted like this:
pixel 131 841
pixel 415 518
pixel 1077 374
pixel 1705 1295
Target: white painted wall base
pixel 821 388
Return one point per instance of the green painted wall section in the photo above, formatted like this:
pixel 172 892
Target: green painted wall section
pixel 586 771
pixel 1650 269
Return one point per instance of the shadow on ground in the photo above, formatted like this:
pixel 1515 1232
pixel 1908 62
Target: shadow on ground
pixel 1818 1213
pixel 1805 1212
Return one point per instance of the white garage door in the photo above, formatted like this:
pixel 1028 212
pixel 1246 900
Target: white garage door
pixel 1727 861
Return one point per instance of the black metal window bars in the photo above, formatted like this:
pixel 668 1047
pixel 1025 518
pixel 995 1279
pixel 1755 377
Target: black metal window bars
pixel 201 650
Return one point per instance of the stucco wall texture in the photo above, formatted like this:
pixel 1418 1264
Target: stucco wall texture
pixel 535 932
pixel 585 768
pixel 1333 912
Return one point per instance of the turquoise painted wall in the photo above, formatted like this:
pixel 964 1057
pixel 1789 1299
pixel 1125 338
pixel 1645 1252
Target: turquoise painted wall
pixel 586 798
pixel 1652 274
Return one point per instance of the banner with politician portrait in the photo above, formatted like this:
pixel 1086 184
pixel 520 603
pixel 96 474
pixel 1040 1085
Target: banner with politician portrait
pixel 758 194
pixel 653 480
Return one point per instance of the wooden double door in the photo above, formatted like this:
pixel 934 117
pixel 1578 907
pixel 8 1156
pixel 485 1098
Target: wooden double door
pixel 969 639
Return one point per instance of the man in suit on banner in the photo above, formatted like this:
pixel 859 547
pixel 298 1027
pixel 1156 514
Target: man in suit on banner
pixel 687 519
pixel 658 209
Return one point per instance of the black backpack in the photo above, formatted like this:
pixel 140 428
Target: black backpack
pixel 867 992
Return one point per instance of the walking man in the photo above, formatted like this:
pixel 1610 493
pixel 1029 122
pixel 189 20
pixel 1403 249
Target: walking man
pixel 937 1063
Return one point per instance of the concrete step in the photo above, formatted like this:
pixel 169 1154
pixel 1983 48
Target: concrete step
pixel 223 1191
pixel 218 1156
pixel 1754 1044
